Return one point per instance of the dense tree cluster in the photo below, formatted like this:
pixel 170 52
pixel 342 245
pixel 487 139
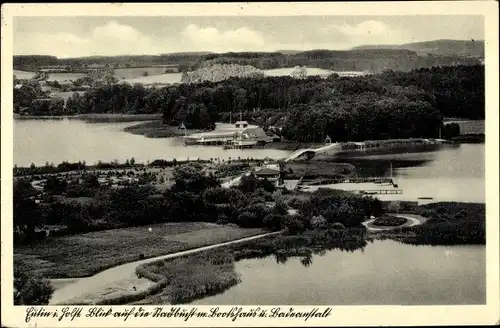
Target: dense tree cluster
pixel 195 196
pixel 374 60
pixel 387 105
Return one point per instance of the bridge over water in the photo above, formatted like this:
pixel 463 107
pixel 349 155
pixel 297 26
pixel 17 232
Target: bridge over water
pixel 311 152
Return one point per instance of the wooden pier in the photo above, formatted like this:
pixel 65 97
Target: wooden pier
pixel 376 180
pixel 380 192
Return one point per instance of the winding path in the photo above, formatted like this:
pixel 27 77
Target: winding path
pixel 413 218
pixel 315 151
pixel 119 279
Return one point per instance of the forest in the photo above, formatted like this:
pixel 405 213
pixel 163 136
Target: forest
pixel 374 60
pixel 381 106
pixel 194 197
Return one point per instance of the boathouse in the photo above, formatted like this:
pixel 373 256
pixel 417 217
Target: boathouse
pixel 239 135
pixel 241 124
pixel 267 173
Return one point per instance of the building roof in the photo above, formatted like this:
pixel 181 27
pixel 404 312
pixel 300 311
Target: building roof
pixel 254 133
pixel 266 172
pixel 241 122
pixel 18 86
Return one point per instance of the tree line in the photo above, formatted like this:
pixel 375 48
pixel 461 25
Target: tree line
pixel 374 60
pixel 194 196
pixel 386 105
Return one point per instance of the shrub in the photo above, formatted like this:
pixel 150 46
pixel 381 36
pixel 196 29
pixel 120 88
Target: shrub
pixel 31 289
pixel 389 221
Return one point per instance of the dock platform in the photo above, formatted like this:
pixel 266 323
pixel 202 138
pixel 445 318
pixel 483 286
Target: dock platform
pixel 380 192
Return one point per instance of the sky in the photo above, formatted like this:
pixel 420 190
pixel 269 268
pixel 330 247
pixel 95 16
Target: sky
pixel 65 36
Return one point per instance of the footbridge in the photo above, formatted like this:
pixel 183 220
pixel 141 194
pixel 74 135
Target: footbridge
pixel 311 152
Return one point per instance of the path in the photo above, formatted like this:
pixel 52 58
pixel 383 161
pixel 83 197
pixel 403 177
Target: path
pixel 300 152
pixel 120 279
pixel 413 218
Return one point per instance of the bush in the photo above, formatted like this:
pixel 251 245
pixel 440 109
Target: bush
pixel 389 221
pixel 30 289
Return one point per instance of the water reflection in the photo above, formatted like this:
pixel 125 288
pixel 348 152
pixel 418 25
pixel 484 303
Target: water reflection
pixel 350 244
pixel 306 260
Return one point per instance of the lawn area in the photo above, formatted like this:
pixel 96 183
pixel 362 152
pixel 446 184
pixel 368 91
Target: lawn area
pixel 389 221
pixel 86 254
pixel 155 129
pixel 134 72
pixel 318 169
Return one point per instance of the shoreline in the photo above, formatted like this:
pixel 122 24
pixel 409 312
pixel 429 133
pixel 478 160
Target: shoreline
pixel 134 265
pixel 94 118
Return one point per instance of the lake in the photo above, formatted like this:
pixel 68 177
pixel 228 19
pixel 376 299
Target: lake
pixel 54 141
pixel 448 173
pixel 382 273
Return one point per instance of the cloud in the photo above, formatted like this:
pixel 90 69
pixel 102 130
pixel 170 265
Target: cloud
pixel 211 38
pixel 113 38
pixel 373 32
pixel 117 38
pixel 109 39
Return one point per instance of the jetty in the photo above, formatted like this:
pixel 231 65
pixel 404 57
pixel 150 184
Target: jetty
pixel 239 135
pixel 380 192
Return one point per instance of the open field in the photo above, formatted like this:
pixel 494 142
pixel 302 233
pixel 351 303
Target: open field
pixel 67 94
pixel 23 74
pixel 316 169
pixel 168 78
pixel 134 72
pixel 65 76
pixel 85 254
pixel 155 129
pixel 311 71
pixel 467 126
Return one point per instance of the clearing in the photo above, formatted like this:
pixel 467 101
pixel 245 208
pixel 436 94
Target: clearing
pixel 86 254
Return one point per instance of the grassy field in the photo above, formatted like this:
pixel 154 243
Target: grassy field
pixel 65 76
pixel 134 72
pixel 86 254
pixel 23 74
pixel 155 129
pixel 168 78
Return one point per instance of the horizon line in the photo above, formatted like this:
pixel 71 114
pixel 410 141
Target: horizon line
pixel 256 51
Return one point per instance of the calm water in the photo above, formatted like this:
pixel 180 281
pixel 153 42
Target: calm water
pixel 451 173
pixel 383 273
pixel 41 141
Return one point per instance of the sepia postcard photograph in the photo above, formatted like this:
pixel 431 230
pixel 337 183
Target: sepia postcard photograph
pixel 257 164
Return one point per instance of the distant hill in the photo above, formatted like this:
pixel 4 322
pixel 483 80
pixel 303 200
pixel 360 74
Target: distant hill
pixel 373 59
pixel 438 47
pixel 289 52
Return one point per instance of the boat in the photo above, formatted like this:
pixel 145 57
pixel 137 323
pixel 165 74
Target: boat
pixel 428 198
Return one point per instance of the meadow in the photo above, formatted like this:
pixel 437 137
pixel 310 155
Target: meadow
pixel 65 76
pixel 135 72
pixel 83 255
pixel 168 78
pixel 22 75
